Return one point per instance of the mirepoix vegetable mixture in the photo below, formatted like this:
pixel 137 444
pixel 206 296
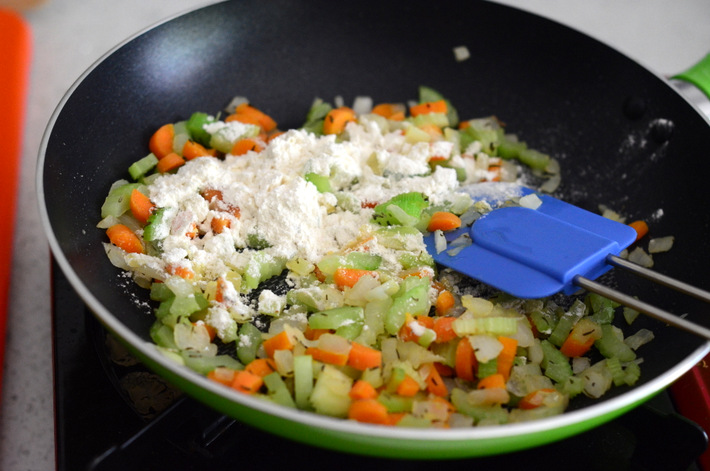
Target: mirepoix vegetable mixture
pixel 291 266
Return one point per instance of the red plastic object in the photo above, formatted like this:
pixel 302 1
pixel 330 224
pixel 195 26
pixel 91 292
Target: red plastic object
pixel 691 395
pixel 14 73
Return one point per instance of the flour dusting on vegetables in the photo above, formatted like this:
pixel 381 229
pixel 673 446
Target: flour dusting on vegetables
pixel 291 265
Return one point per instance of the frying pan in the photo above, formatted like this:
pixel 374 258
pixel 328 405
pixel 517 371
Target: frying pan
pixel 623 136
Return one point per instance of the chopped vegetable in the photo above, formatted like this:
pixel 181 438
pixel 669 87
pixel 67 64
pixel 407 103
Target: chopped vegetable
pixel 291 266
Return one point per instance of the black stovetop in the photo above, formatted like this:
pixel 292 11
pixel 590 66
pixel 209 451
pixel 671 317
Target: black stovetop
pixel 113 414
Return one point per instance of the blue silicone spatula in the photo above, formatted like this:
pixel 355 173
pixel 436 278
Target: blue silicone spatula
pixel 557 247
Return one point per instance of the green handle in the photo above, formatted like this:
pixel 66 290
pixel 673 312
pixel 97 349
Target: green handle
pixel 698 75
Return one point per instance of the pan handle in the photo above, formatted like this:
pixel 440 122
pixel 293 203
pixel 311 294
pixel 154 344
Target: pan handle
pixel 694 84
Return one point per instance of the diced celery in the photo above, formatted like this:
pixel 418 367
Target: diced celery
pixel 397 237
pixel 316 298
pixel 409 260
pixel 509 148
pixel 397 375
pixel 248 342
pixel 363 261
pixel 223 139
pixel 330 393
pixel 437 119
pixel 195 126
pixel 494 325
pixel 162 335
pixel 480 412
pixel 602 308
pixel 203 364
pixel 156 229
pixel 611 344
pixel 485 130
pixel 632 373
pixel 261 267
pixel 394 402
pixel 257 242
pixel 373 376
pixel 321 182
pixel 160 292
pixel 183 306
pixel 142 166
pixel 277 390
pixel 415 302
pixel 572 386
pixel 555 364
pixel 403 209
pixel 408 420
pixel 316 114
pixel 414 134
pixel 118 200
pixel 566 322
pixel 335 318
pixel 163 314
pixel 534 159
pixel 488 368
pixel 617 371
pixel 302 380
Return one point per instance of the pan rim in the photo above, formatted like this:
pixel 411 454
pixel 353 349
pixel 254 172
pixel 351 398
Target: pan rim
pixel 394 435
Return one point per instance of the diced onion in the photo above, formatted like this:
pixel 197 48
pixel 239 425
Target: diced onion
pixel 461 53
pixel 642 337
pixel 660 244
pixel 640 257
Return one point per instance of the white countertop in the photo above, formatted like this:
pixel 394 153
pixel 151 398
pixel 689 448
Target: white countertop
pixel 69 35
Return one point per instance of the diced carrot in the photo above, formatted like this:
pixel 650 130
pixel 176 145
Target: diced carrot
pixel 211 194
pixel 170 162
pixel 443 327
pixel 495 172
pixel 123 237
pixel 336 119
pixel 444 370
pixel 325 356
pixel 362 357
pixel 280 341
pixel 192 150
pixel 314 334
pixel 192 231
pixel 465 360
pixel 435 384
pixel 242 146
pixel 444 221
pixel 640 227
pixel 361 389
pixel 222 375
pixel 388 110
pixel 349 276
pixel 393 418
pixel 506 357
pixel 247 114
pixel 141 206
pixel 247 382
pixel 432 129
pixel 161 142
pixel 218 224
pixel 495 380
pixel 534 399
pixel 407 332
pixel 261 367
pixel 581 338
pixel 428 107
pixel 182 272
pixel 211 331
pixel 408 387
pixel 368 411
pixel 444 302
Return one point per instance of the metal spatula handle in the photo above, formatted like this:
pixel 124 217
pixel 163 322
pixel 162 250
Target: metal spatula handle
pixel 644 307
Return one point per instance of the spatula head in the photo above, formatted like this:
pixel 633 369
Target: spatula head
pixel 534 253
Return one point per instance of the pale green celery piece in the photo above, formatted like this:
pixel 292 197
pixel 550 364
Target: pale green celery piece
pixel 414 134
pixel 395 403
pixel 316 298
pixel 407 209
pixel 278 391
pixel 374 326
pixel 336 318
pixel 488 413
pixel 414 422
pixel 555 364
pixel 330 393
pixel 398 237
pixel 118 200
pixel 414 302
pixel 321 182
pixel 363 261
pixel 494 325
pixel 437 119
pixel 248 342
pixel 572 386
pixel 611 344
pixel 632 372
pixel 183 306
pixel 203 364
pixel 162 335
pixel 566 322
pixel 302 380
pixel 261 267
pixel 142 166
